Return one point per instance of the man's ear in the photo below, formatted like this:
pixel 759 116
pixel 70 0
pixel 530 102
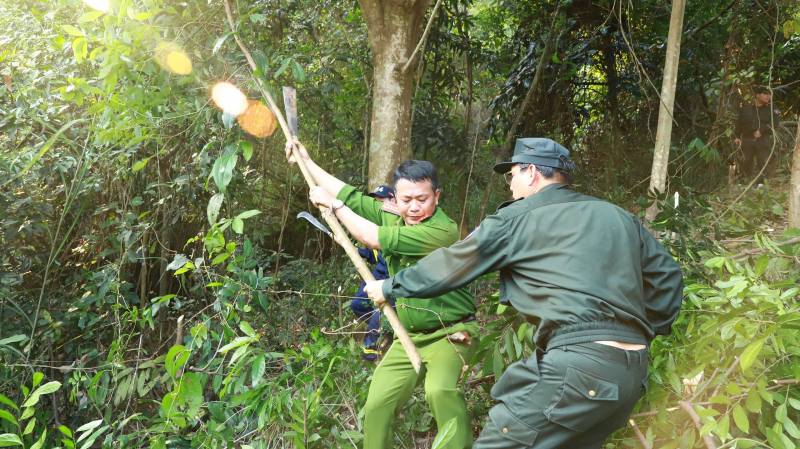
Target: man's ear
pixel 436 196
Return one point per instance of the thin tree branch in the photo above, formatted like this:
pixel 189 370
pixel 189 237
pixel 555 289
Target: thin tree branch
pixel 422 40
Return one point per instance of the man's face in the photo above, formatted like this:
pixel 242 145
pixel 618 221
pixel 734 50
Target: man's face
pixel 522 182
pixel 384 200
pixel 764 98
pixel 415 200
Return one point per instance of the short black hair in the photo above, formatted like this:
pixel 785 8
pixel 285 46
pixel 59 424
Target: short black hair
pixel 563 174
pixel 417 171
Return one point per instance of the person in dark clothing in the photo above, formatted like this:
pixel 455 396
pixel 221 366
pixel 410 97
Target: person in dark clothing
pixel 361 304
pixel 595 283
pixel 753 130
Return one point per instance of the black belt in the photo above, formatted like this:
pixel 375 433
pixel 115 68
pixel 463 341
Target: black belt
pixel 463 320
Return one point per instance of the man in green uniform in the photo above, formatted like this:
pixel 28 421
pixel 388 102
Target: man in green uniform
pixel 594 282
pixel 753 130
pixel 443 327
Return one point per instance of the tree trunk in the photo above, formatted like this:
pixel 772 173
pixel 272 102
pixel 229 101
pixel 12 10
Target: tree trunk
pixel 794 192
pixel 394 27
pixel 510 137
pixel 658 175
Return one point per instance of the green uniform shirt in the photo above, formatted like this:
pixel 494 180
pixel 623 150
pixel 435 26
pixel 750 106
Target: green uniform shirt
pixel 578 268
pixel 402 247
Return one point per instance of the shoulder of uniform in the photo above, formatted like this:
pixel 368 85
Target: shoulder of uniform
pixel 391 208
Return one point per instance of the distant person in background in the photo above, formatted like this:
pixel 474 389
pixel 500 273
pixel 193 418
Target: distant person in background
pixel 362 306
pixel 753 130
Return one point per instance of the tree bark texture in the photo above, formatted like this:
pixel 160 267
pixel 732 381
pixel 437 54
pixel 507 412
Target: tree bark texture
pixel 394 28
pixel 658 175
pixel 794 189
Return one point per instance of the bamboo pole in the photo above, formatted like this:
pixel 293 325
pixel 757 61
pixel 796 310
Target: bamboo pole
pixel 330 218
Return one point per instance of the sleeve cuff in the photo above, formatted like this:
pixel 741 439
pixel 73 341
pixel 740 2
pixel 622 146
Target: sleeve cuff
pixel 386 288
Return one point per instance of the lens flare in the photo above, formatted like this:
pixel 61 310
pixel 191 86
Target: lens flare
pixel 257 120
pixel 171 57
pixel 229 98
pixel 100 5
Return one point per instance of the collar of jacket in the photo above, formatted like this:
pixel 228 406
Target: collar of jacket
pixel 545 189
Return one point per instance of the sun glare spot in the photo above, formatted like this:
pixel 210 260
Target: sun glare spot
pixel 229 98
pixel 257 120
pixel 100 5
pixel 171 57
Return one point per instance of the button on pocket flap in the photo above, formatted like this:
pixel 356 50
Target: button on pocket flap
pixel 511 427
pixel 591 386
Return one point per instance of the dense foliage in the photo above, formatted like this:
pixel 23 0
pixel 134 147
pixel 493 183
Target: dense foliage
pixel 157 291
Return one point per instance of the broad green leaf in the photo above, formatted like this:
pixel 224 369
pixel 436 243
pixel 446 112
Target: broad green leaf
pixel 9 439
pixel 89 426
pixel 72 30
pixel 90 16
pixel 47 388
pixel 753 402
pixel 446 434
pixel 39 444
pixel 29 427
pixel 781 413
pixel 65 431
pixel 220 258
pixel 282 68
pixel 223 171
pixel 761 265
pixel 237 225
pixel 238 341
pixel 191 392
pixel 13 339
pixel 791 428
pixel 298 72
pixel 750 353
pixel 176 357
pixel 247 149
pixel 248 214
pixel 219 42
pixel 7 416
pixel 775 439
pixel 140 164
pixel 37 378
pixel 143 16
pixel 213 208
pixel 247 329
pixel 257 372
pixel 794 403
pixel 740 418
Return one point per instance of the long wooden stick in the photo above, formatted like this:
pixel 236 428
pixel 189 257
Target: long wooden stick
pixel 330 218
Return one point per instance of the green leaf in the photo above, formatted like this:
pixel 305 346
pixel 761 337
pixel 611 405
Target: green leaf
pixel 446 434
pixel 715 262
pixel 176 357
pixel 40 443
pixel 213 208
pixel 8 417
pixel 761 265
pixel 65 430
pixel 282 68
pixel 220 258
pixel 247 149
pixel 143 16
pixel 794 403
pixel 750 353
pixel 90 16
pixel 298 72
pixel 44 389
pixel 45 147
pixel 219 42
pixel 72 30
pixel 259 366
pixel 237 225
pixel 223 171
pixel 191 392
pixel 740 418
pixel 8 401
pixel 781 413
pixel 245 327
pixel 140 164
pixel 248 214
pixel 775 439
pixel 238 341
pixel 753 402
pixel 13 339
pixel 791 429
pixel 9 439
pixel 258 18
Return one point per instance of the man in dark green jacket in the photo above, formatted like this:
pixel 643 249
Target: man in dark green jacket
pixel 594 282
pixel 442 327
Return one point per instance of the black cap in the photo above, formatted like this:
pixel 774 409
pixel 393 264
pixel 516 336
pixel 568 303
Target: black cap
pixel 537 151
pixel 763 90
pixel 382 192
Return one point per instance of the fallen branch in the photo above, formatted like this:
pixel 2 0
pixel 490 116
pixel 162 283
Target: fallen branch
pixel 749 252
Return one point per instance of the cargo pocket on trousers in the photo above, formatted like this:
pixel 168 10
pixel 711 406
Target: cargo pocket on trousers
pixel 510 427
pixel 582 401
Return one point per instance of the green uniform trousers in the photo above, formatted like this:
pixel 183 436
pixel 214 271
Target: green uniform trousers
pixel 571 396
pixel 395 379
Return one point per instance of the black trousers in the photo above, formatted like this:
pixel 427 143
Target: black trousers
pixel 570 397
pixel 756 155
